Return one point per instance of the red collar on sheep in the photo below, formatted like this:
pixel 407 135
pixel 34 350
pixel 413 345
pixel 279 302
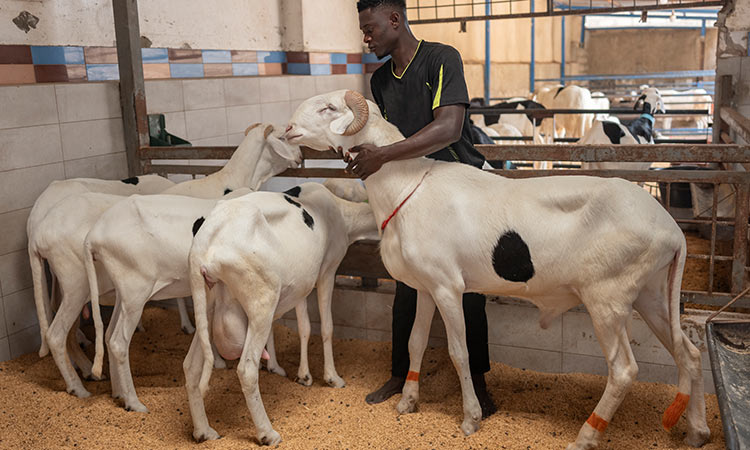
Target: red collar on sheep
pixel 385 222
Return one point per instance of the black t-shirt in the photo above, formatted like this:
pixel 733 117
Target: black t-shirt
pixel 433 78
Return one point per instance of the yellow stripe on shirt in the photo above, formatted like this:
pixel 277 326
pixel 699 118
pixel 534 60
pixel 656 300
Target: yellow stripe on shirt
pixel 436 101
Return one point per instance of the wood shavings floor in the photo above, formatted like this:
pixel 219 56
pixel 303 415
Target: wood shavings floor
pixel 535 410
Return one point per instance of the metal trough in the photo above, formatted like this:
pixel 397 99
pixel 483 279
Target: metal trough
pixel 729 352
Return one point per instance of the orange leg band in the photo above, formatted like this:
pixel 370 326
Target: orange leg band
pixel 675 410
pixel 412 376
pixel 597 422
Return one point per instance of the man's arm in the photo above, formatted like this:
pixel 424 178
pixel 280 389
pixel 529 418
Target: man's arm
pixel 438 134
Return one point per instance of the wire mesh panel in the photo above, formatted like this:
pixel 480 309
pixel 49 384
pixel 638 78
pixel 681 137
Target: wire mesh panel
pixel 437 11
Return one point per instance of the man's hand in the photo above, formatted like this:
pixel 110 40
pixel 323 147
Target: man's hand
pixel 370 158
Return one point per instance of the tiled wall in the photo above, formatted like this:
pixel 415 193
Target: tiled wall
pixel 22 64
pixel 515 338
pixel 47 132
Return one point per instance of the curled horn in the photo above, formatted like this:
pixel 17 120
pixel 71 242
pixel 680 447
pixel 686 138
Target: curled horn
pixel 268 131
pixel 357 103
pixel 247 130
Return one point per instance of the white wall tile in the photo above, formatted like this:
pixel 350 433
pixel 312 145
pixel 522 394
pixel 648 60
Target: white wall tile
pixel 518 326
pixel 342 332
pixel 276 113
pixel 29 146
pixel 4 349
pixel 241 91
pixel 348 308
pixel 578 335
pixel 88 101
pixel 25 106
pixel 203 94
pixel 106 167
pixel 3 327
pixel 235 139
pixel 92 138
pixel 301 88
pixel 20 312
pixel 328 83
pixel 206 123
pixel 657 373
pixel 378 335
pixel 20 188
pixel 274 89
pixel 174 123
pixel 572 363
pixel 13 225
pixel 379 311
pixel 218 140
pixel 26 341
pixel 164 96
pixel 241 117
pixel 312 306
pixel 15 272
pixel 527 358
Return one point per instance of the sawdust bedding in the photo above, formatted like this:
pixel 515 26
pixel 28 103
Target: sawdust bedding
pixel 535 410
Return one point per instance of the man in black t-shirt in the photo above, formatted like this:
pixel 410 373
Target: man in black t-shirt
pixel 422 91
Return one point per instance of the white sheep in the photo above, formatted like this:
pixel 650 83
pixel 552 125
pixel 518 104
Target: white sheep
pixel 53 194
pixel 555 241
pixel 270 250
pixel 638 131
pixel 142 243
pixel 60 238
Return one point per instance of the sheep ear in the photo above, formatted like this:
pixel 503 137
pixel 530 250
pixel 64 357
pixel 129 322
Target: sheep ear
pixel 340 125
pixel 286 151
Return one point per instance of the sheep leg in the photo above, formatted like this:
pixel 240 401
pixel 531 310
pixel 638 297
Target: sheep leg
pixel 449 303
pixel 119 348
pixel 114 376
pixel 273 364
pixel 654 309
pixel 325 295
pixel 185 324
pixel 420 333
pixel 79 358
pixel 303 327
pixel 610 325
pixel 192 367
pixel 259 327
pixel 57 336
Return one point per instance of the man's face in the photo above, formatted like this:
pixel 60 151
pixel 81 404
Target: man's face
pixel 377 25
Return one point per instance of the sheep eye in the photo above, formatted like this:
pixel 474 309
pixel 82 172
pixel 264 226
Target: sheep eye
pixel 331 107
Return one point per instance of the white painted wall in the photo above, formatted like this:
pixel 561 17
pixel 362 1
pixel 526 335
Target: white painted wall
pixel 300 25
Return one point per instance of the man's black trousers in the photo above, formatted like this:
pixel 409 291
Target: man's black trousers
pixel 404 312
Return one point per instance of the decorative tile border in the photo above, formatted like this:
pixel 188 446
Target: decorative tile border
pixel 24 64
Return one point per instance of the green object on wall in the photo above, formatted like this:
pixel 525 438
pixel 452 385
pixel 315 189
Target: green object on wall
pixel 158 135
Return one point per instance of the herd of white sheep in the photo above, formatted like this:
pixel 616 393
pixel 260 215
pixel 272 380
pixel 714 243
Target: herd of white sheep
pixel 248 257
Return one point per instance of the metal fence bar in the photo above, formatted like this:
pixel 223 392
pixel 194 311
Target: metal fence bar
pixel 557 12
pixel 741 213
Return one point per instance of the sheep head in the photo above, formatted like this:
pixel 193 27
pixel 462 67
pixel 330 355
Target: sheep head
pixel 650 101
pixel 320 121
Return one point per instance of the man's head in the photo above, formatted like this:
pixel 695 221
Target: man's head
pixel 382 21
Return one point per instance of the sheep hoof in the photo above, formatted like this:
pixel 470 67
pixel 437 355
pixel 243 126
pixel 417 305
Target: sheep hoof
pixel 335 382
pixel 91 377
pixel 470 427
pixel 80 393
pixel 271 438
pixel 210 435
pixel 277 370
pixel 304 381
pixel 406 405
pixel 577 446
pixel 188 329
pixel 136 407
pixel 696 438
